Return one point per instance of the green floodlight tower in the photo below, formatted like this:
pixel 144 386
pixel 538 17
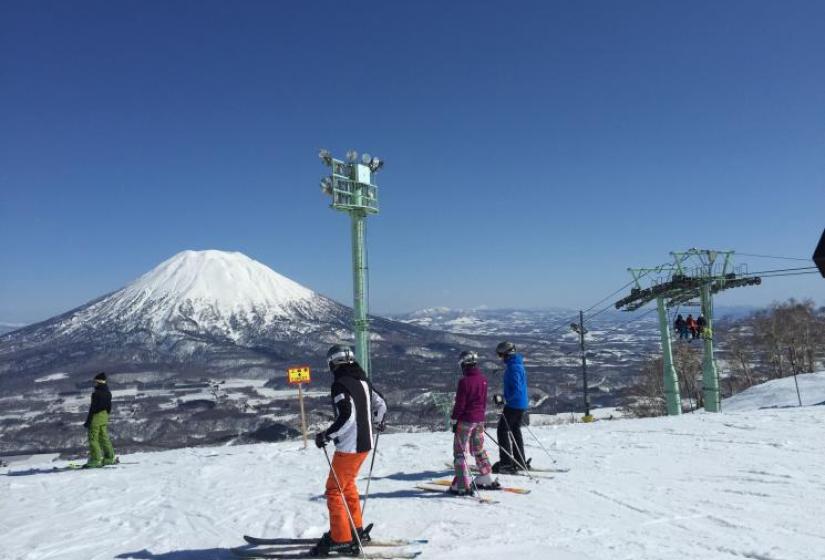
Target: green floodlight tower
pixel 351 188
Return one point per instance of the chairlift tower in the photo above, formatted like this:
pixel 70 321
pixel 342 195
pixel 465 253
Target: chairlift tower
pixel 708 272
pixel 673 398
pixel 712 272
pixel 351 188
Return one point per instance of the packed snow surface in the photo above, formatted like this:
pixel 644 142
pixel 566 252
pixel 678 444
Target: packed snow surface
pixel 711 486
pixel 780 393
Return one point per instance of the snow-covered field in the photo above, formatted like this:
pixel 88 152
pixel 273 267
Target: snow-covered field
pixel 780 393
pixel 735 485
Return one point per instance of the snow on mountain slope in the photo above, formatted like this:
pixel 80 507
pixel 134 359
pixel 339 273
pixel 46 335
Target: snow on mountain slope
pixel 711 486
pixel 780 393
pixel 207 287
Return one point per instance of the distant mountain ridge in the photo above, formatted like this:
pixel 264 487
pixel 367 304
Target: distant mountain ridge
pixel 525 322
pixel 8 327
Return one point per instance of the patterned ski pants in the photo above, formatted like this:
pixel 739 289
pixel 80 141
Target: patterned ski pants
pixel 469 434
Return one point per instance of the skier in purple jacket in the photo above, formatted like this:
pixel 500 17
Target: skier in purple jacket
pixel 468 427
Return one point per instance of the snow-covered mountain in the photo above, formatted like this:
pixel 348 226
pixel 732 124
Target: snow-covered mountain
pixel 208 311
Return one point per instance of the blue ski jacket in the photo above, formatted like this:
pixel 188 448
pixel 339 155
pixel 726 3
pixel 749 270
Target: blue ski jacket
pixel 515 383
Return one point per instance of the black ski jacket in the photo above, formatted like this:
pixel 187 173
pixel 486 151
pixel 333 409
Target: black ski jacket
pixel 356 402
pixel 101 400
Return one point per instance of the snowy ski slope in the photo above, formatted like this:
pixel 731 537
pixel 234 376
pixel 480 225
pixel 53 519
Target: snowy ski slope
pixel 735 485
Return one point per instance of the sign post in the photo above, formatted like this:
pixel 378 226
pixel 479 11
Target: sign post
pixel 299 375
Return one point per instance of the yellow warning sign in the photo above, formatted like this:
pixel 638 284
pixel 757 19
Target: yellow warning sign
pixel 298 374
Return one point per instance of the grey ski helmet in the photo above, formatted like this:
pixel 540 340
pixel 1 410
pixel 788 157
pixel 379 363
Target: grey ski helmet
pixel 340 354
pixel 505 348
pixel 467 358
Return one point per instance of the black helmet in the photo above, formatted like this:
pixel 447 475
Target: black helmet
pixel 340 354
pixel 505 348
pixel 467 358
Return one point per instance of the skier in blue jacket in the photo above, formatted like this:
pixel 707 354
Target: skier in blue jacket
pixel 515 404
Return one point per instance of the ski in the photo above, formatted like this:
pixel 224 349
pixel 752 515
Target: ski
pixel 538 473
pixel 511 489
pixel 286 541
pixel 430 487
pixel 279 553
pixel 366 540
pixel 72 465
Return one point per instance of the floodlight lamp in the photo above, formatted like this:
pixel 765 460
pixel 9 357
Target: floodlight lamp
pixel 376 164
pixel 326 157
pixel 366 158
pixel 326 185
pixel 352 156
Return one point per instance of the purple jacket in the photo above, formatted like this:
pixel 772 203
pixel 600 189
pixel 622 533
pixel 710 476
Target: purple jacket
pixel 471 397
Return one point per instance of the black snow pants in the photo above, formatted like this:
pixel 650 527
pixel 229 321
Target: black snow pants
pixel 510 417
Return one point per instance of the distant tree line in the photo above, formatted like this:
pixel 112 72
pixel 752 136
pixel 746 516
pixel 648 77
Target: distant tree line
pixel 785 339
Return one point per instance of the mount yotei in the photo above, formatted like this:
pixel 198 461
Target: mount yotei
pixel 206 312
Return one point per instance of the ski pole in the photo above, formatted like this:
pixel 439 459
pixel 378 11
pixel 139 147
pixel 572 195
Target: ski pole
pixel 540 444
pixel 346 505
pixel 472 478
pixel 513 445
pixel 515 448
pixel 527 472
pixel 369 477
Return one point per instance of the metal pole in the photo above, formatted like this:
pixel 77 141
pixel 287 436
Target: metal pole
pixel 527 472
pixel 671 381
pixel 539 442
pixel 710 381
pixel 359 290
pixel 303 417
pixel 584 365
pixel 369 477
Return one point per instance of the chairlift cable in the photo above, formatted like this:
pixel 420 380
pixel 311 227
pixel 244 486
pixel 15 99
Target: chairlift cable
pixel 771 257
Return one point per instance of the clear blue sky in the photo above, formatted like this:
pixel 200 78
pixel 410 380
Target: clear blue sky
pixel 534 150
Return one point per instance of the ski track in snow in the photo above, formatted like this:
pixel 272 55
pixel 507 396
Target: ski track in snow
pixel 745 485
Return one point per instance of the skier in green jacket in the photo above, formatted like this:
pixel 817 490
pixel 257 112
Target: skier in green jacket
pixel 97 422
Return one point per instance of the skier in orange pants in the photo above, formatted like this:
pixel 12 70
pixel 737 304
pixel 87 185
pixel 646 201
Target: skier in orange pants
pixel 356 403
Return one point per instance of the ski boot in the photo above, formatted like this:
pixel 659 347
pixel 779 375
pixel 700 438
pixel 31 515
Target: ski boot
pixel 326 545
pixel 504 468
pixel 111 461
pixel 452 490
pixel 363 534
pixel 486 482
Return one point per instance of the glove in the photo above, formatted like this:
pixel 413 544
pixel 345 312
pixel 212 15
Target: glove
pixel 498 399
pixel 321 439
pixel 453 427
pixel 382 425
pixel 87 425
